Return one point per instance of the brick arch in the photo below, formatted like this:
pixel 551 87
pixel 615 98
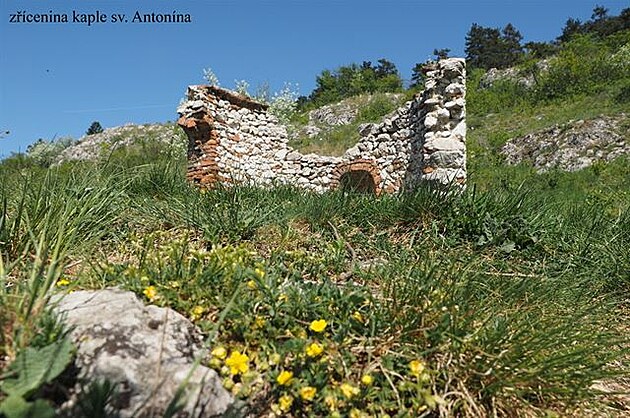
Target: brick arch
pixel 362 165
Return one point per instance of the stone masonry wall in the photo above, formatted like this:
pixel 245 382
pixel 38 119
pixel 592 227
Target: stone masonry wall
pixel 233 139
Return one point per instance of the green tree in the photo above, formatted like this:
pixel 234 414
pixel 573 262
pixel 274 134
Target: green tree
pixel 510 45
pixel 493 48
pixel 95 128
pixel 417 76
pixel 599 13
pixel 441 53
pixel 571 28
pixel 351 80
pixel 539 50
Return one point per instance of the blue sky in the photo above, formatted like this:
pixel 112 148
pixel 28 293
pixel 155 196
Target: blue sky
pixel 55 79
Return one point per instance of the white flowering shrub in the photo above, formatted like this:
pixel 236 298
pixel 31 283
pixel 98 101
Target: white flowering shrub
pixel 284 103
pixel 263 94
pixel 242 87
pixel 211 77
pixel 621 59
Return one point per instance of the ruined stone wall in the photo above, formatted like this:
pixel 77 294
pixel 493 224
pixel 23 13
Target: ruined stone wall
pixel 234 139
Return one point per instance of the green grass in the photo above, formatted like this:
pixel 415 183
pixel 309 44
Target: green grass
pixel 498 301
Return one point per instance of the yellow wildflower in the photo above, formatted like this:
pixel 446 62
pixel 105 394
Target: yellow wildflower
pixel 63 282
pixel 196 312
pixel 151 293
pixel 367 379
pixel 285 402
pixel 259 322
pixel 285 378
pixel 260 272
pixel 331 402
pixel 252 284
pixel 219 352
pixel 314 350
pixel 237 362
pixel 356 413
pixel 307 393
pixel 318 325
pixel 283 297
pixel 348 390
pixel 358 317
pixel 416 367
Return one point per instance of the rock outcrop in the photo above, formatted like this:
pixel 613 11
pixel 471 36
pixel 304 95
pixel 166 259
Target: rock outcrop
pixel 571 146
pixel 232 138
pixel 147 351
pixel 326 118
pixel 92 147
pixel 524 78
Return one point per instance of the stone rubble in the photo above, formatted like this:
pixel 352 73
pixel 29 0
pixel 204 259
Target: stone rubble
pixel 232 139
pixel 147 351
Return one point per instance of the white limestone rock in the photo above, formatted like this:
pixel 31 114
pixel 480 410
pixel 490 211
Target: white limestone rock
pixel 146 350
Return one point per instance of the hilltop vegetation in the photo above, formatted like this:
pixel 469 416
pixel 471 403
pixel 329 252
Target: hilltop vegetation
pixel 509 299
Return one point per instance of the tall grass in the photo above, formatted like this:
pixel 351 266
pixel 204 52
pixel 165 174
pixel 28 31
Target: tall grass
pixel 508 296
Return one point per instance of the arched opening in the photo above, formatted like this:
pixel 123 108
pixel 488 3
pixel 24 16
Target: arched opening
pixel 357 181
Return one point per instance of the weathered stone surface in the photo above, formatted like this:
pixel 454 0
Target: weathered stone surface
pixel 572 146
pixel 261 153
pixel 147 351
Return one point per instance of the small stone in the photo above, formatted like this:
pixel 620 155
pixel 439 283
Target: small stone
pixel 365 129
pixel 430 121
pixel 280 155
pixel 353 152
pixel 293 156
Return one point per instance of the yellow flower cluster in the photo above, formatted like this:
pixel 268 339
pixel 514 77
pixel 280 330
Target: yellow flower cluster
pixel 349 391
pixel 63 282
pixel 416 367
pixel 285 402
pixel 151 293
pixel 197 312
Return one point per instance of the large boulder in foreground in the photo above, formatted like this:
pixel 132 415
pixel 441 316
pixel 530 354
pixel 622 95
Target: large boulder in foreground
pixel 147 351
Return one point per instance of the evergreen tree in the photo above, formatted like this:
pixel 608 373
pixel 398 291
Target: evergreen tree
pixel 511 45
pixel 95 128
pixel 599 13
pixel 540 50
pixel 442 53
pixel 385 68
pixel 491 48
pixel 417 76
